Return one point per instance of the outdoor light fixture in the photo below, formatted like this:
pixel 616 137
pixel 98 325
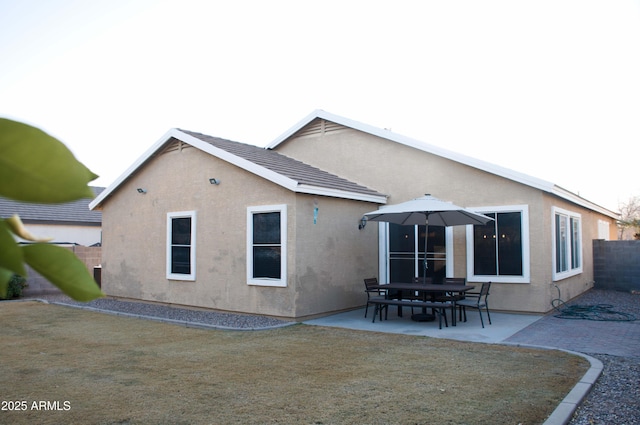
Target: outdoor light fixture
pixel 214 181
pixel 141 190
pixel 363 223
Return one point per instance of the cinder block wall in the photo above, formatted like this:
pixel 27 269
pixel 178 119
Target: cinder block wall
pixel 616 265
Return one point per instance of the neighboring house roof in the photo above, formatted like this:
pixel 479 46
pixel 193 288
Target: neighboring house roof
pixel 444 153
pixel 273 166
pixel 76 212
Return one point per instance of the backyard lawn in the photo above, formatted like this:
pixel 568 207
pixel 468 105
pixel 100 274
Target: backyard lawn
pixel 65 365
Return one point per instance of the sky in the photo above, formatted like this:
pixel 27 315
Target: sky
pixel 546 88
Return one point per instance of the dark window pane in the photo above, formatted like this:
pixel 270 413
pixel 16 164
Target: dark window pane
pixel 509 244
pixel 266 228
pixel 561 243
pixel 401 268
pixel 575 243
pixel 181 231
pixel 484 249
pixel 181 259
pixel 401 238
pixel 266 262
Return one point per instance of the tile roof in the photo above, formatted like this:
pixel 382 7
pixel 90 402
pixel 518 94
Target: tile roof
pixel 76 212
pixel 293 169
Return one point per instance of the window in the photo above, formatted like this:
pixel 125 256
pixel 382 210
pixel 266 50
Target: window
pixel 181 246
pixel 266 245
pixel 406 252
pixel 567 244
pixel 499 250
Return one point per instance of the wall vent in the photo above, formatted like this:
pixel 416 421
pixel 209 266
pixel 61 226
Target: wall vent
pixel 318 127
pixel 175 145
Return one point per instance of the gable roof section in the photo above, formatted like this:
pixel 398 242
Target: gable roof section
pixel 270 165
pixel 507 173
pixel 76 212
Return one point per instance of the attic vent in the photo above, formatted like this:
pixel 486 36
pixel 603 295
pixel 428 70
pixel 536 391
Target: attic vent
pixel 318 127
pixel 175 145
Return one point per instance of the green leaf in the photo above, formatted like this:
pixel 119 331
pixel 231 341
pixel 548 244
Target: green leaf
pixel 61 267
pixel 5 277
pixel 10 254
pixel 36 167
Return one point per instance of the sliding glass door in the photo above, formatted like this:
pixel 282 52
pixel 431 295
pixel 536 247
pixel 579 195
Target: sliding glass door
pixel 406 253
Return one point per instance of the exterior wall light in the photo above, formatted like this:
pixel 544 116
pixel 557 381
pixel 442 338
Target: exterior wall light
pixel 214 181
pixel 141 190
pixel 363 223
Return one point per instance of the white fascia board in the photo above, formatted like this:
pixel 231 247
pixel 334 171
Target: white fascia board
pixel 137 164
pixel 488 167
pixel 578 200
pixel 249 166
pixel 291 131
pixel 335 193
pixel 416 144
pixel 275 177
pixel 204 146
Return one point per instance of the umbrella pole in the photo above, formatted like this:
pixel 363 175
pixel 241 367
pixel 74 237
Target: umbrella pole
pixel 424 316
pixel 426 237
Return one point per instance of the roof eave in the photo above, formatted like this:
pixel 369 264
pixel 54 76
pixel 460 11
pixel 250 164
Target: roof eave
pixel 344 194
pixel 249 166
pixel 578 200
pixel 488 167
pixel 96 203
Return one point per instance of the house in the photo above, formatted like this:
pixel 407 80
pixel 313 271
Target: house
pixel 72 225
pixel 207 222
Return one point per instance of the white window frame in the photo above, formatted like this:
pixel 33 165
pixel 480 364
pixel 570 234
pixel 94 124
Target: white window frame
pixel 192 258
pixel 568 215
pixel 282 209
pixel 526 256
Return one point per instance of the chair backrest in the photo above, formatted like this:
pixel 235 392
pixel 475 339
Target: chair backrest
pixel 484 291
pixel 455 281
pixel 368 282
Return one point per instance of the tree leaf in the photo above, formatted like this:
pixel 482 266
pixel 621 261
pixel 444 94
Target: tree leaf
pixel 18 229
pixel 11 257
pixel 61 267
pixel 36 167
pixel 5 277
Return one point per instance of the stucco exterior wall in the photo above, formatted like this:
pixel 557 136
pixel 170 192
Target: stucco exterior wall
pixel 404 173
pixel 332 256
pixel 134 240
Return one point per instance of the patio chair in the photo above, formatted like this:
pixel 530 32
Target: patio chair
pixel 477 300
pixel 453 297
pixel 373 294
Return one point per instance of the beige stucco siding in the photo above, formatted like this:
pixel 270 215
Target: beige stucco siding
pixel 323 259
pixel 332 255
pixel 404 173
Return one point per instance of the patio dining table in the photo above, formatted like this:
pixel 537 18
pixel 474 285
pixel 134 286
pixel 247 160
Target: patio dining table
pixel 428 289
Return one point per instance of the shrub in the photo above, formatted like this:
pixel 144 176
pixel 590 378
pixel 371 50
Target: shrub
pixel 16 284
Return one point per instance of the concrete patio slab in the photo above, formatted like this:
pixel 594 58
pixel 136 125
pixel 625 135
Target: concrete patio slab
pixel 503 325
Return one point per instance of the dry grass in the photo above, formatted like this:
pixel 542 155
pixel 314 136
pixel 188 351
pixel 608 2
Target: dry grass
pixel 116 370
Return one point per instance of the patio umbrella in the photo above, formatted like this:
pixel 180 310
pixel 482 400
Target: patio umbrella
pixel 429 211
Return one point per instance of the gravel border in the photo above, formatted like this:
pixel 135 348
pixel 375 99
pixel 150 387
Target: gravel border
pixel 169 314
